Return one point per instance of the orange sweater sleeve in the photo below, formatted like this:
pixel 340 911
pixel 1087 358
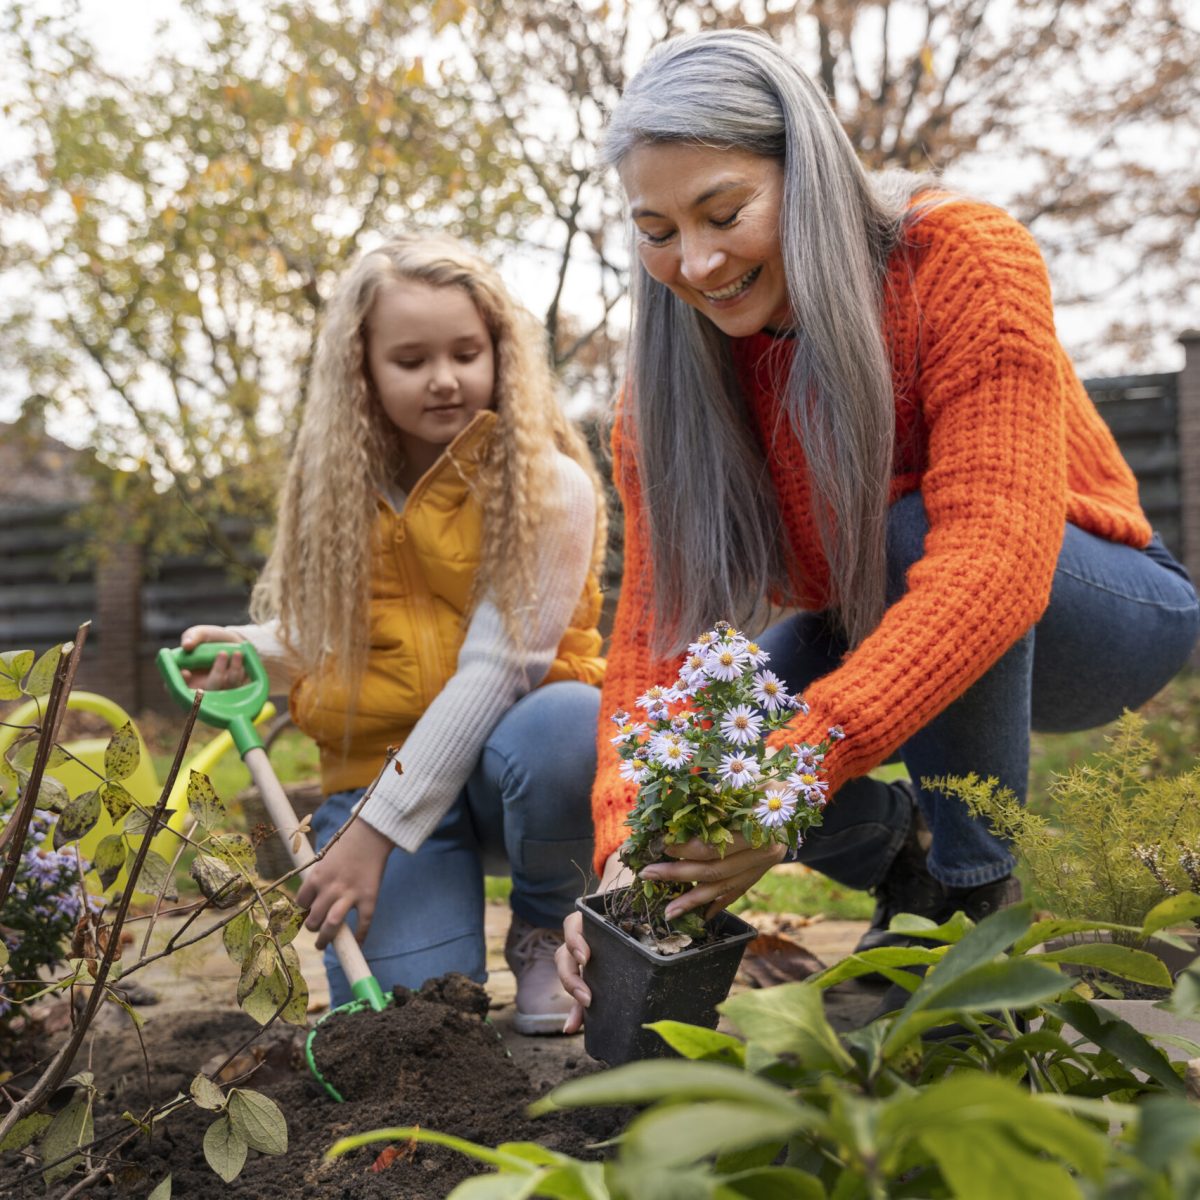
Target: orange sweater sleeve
pixel 993 398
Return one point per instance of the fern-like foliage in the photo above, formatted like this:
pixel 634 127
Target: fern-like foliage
pixel 1122 837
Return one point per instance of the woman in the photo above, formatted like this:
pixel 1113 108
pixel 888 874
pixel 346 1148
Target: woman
pixel 846 395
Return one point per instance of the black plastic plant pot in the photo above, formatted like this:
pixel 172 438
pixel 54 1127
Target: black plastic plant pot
pixel 632 985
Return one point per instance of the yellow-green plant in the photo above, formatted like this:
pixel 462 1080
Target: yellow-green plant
pixel 1120 837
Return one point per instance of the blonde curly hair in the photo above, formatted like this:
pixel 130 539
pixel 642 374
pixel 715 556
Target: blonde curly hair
pixel 316 581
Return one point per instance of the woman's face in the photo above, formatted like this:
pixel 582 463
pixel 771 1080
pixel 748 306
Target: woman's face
pixel 708 228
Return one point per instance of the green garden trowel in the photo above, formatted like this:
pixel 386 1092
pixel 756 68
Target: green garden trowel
pixel 235 709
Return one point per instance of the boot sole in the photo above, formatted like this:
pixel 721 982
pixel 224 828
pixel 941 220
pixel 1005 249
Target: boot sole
pixel 539 1024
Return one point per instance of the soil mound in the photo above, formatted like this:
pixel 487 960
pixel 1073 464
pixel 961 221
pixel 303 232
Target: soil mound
pixel 431 1060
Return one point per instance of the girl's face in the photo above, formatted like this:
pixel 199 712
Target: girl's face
pixel 431 359
pixel 708 228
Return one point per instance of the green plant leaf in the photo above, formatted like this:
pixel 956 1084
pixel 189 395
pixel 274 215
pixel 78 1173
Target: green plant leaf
pixel 1110 1033
pixel 775 1183
pixel 109 858
pixel 41 678
pixel 3 962
pixel 122 754
pixel 224 1148
pixel 23 752
pixel 259 964
pixel 117 800
pixel 259 1121
pixel 646 1082
pixel 1175 910
pixel 285 920
pixel 162 1191
pixel 25 1131
pixel 296 1012
pixel 234 849
pixel 77 818
pixel 414 1133
pixel 52 793
pixel 1168 1129
pixel 14 665
pixel 203 801
pixel 137 821
pixel 70 1129
pixel 9 780
pixel 155 873
pixel 680 1134
pixel 207 1094
pixel 1056 927
pixel 789 1020
pixel 238 936
pixel 692 1041
pixel 887 960
pixel 985 1164
pixel 949 931
pixel 1140 966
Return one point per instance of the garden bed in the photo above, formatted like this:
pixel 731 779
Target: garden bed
pixel 432 1061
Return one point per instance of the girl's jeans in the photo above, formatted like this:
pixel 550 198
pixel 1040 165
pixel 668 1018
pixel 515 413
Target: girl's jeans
pixel 1120 623
pixel 526 810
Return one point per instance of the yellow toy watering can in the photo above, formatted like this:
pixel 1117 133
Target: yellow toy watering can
pixel 143 784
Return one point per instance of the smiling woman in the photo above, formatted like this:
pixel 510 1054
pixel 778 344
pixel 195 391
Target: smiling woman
pixel 845 396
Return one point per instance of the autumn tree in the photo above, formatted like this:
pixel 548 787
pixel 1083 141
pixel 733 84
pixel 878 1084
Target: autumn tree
pixel 169 239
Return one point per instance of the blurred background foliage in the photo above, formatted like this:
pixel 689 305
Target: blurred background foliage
pixel 169 239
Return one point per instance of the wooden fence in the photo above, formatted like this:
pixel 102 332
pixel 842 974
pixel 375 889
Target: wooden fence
pixel 44 597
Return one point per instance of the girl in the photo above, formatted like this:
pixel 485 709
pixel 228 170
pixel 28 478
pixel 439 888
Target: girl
pixel 432 586
pixel 855 390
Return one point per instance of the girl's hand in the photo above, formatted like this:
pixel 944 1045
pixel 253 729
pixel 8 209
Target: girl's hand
pixel 571 957
pixel 719 880
pixel 348 877
pixel 226 671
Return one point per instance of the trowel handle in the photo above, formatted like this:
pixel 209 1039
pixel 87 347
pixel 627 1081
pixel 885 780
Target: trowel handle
pixel 283 817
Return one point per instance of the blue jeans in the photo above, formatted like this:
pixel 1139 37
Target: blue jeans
pixel 1120 623
pixel 526 809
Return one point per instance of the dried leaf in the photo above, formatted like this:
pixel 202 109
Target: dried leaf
pixel 109 858
pixel 78 818
pixel 203 801
pixel 219 882
pixel 206 1093
pixel 238 936
pixel 117 800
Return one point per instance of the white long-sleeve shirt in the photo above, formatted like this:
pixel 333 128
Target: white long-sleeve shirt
pixel 493 672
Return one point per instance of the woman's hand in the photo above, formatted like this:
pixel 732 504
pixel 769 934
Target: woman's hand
pixel 226 671
pixel 348 877
pixel 571 957
pixel 719 880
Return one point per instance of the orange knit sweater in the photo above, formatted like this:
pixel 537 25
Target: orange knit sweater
pixel 997 432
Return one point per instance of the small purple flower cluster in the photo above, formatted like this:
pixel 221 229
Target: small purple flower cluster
pixel 42 910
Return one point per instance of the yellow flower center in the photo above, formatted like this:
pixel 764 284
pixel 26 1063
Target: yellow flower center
pixel 808 780
pixel 774 803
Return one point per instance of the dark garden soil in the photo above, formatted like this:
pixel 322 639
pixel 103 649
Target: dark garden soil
pixel 432 1060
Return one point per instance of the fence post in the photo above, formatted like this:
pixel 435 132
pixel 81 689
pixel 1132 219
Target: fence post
pixel 1189 456
pixel 119 624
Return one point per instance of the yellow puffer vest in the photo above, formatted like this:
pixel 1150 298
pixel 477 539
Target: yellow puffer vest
pixel 423 564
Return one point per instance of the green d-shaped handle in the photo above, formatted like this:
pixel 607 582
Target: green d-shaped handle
pixel 233 708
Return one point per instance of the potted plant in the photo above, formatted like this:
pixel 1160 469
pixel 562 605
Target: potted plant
pixel 697 751
pixel 1123 840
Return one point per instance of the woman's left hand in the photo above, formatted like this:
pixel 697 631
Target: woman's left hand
pixel 346 879
pixel 719 880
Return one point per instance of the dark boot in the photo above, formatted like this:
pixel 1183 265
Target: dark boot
pixel 907 887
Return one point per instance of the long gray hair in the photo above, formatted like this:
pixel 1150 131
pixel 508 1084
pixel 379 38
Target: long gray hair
pixel 715 529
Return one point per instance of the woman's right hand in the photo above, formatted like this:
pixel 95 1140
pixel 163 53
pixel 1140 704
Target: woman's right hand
pixel 226 671
pixel 572 956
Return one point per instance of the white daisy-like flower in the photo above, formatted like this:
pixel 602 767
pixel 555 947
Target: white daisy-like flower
pixel 836 732
pixel 636 770
pixel 741 726
pixel 670 750
pixel 693 665
pixel 704 642
pixel 656 698
pixel 809 785
pixel 807 759
pixel 777 806
pixel 619 717
pixel 756 654
pixel 681 722
pixel 739 770
pixel 630 729
pixel 724 663
pixel 769 691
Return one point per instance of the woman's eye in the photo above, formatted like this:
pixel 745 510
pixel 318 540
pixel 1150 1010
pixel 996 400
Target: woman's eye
pixel 467 356
pixel 726 222
pixel 408 364
pixel 652 239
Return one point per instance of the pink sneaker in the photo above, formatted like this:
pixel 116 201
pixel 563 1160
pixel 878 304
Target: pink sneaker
pixel 542 1005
